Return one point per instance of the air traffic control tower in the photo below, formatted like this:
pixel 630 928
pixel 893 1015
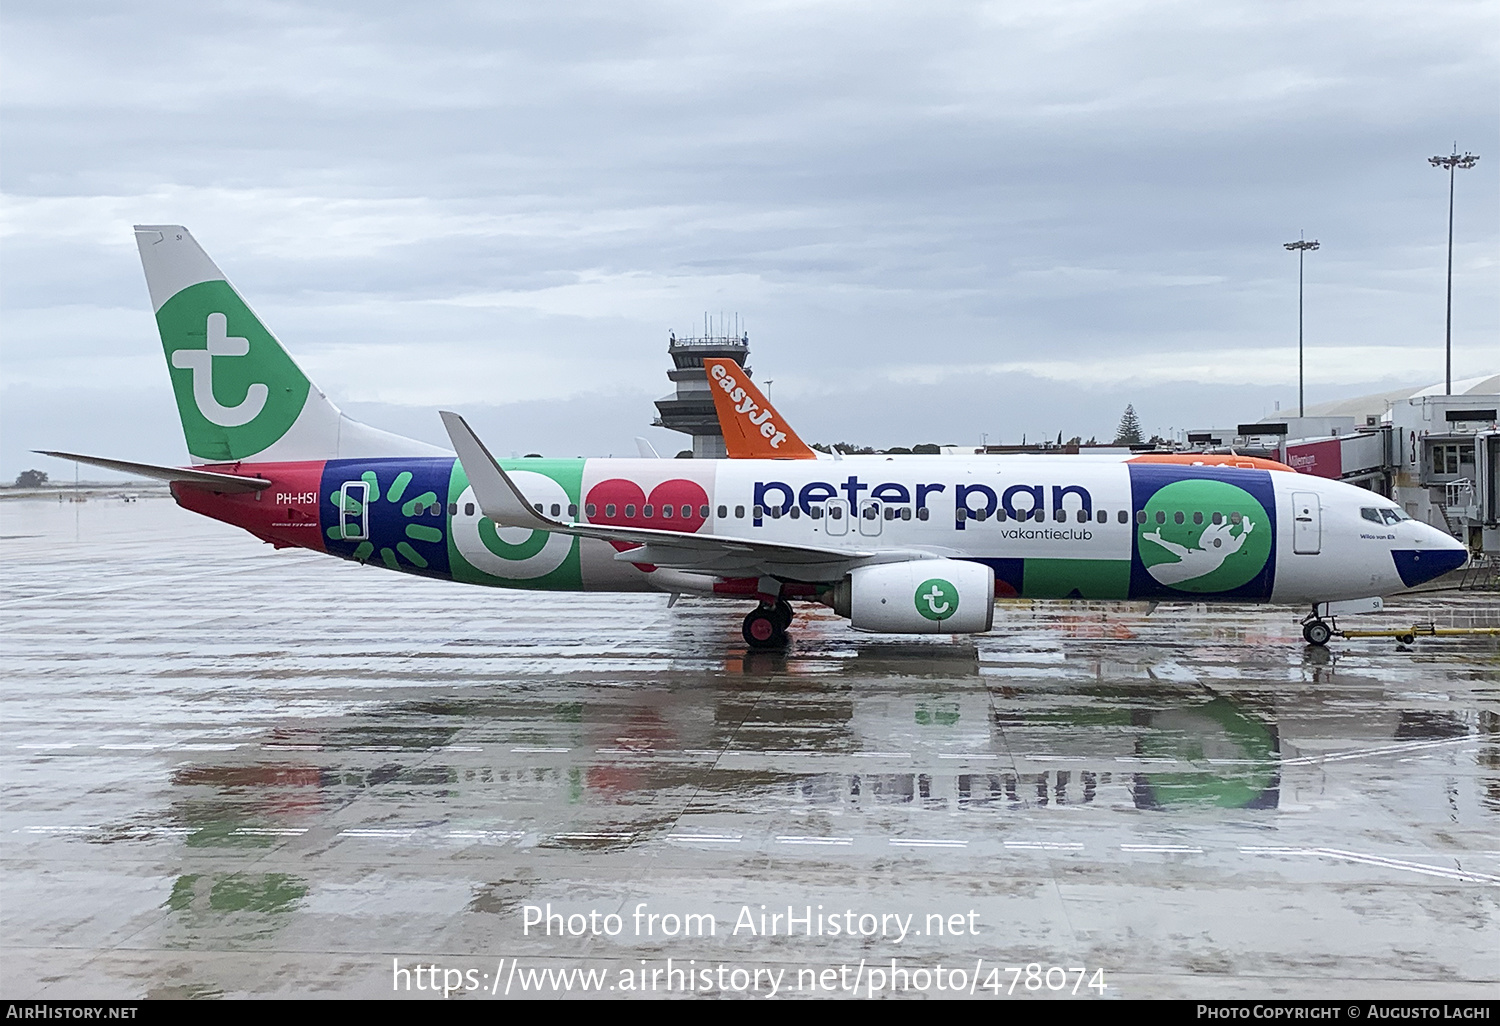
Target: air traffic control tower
pixel 691 408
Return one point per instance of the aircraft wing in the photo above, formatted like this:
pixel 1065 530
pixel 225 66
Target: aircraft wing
pixel 504 504
pixel 206 479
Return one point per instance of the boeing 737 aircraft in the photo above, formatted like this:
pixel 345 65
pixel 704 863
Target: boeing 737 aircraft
pixel 901 544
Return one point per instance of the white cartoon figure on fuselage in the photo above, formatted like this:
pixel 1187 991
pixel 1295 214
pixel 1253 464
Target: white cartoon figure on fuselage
pixel 1218 545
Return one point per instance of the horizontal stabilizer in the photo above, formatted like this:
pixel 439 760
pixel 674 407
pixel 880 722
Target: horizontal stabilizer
pixel 208 479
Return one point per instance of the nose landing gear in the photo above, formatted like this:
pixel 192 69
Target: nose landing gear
pixel 1316 632
pixel 765 625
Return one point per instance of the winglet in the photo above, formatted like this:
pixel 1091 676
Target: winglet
pixel 753 430
pixel 498 495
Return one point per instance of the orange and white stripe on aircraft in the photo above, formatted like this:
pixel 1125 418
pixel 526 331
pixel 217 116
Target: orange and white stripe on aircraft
pixel 1204 459
pixel 753 430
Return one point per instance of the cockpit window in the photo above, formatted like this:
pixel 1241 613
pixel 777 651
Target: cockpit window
pixel 1394 516
pixel 1371 514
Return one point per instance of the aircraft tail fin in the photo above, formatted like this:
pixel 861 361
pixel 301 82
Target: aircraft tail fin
pixel 752 427
pixel 239 393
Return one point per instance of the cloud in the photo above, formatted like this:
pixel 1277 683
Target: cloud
pixel 516 203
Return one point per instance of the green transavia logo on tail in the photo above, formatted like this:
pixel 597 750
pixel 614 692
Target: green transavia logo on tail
pixel 237 390
pixel 936 599
pixel 1221 543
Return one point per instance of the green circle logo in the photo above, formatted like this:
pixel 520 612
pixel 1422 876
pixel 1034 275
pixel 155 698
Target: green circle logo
pixel 237 389
pixel 1204 536
pixel 936 599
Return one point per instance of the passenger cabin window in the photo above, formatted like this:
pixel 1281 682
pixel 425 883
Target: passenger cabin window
pixel 468 509
pixel 1218 518
pixel 739 512
pixel 923 513
pixel 758 512
pixel 609 509
pixel 1140 516
pixel 702 512
pixel 905 513
pixel 1177 517
pixel 556 509
pixel 573 511
pixel 630 510
pixel 1197 518
pixel 648 510
pixel 1234 518
pixel 795 512
pixel 723 512
pixel 836 512
pixel 453 509
pixel 1101 516
pixel 1124 516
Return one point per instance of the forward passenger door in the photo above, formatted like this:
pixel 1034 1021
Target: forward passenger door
pixel 1307 523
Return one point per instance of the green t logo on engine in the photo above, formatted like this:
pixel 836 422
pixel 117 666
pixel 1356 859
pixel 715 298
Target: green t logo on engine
pixel 936 599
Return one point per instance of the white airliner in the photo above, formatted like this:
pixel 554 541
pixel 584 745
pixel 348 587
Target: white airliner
pixel 900 544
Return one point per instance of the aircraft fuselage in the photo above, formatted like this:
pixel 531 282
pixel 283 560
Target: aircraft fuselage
pixel 1050 528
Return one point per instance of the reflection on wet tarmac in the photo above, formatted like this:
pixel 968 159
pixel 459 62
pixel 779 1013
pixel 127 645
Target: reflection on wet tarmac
pixel 218 758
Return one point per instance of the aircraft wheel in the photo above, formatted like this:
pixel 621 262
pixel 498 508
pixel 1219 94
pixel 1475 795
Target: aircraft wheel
pixel 763 628
pixel 1317 633
pixel 783 613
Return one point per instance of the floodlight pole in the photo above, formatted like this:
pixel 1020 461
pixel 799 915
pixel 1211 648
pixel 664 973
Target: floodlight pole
pixel 1301 246
pixel 1452 162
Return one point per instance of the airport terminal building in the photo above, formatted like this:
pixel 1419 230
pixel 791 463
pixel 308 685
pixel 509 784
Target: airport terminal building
pixel 1438 455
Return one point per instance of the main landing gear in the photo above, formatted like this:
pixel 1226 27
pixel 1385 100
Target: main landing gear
pixel 765 625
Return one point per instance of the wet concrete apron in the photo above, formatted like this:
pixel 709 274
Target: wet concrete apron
pixel 228 770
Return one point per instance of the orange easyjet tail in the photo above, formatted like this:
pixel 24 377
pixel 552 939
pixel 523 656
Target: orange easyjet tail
pixel 753 430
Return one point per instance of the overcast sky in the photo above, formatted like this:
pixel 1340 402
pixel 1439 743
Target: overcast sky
pixel 937 220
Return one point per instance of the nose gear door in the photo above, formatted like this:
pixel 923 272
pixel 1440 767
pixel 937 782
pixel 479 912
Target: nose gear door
pixel 1307 523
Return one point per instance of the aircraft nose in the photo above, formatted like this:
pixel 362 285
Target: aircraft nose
pixel 1440 553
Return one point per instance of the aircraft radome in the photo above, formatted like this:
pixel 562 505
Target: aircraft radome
pixel 899 544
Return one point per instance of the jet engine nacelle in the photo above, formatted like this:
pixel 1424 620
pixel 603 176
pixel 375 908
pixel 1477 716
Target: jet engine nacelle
pixel 920 596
